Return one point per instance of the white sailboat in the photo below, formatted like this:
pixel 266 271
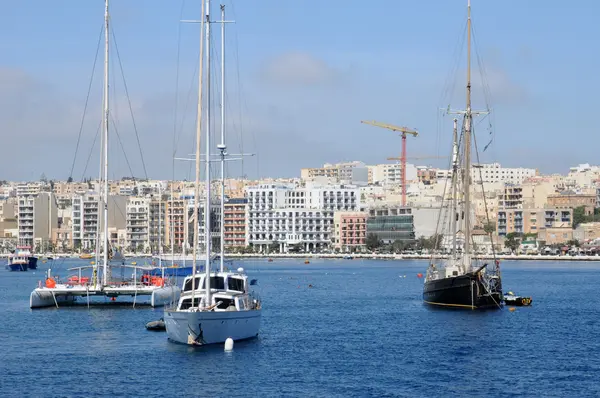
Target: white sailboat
pixel 214 306
pixel 157 288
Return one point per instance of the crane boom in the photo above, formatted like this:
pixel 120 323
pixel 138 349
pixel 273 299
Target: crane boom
pixel 401 129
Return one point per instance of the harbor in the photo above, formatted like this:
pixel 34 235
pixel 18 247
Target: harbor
pixel 551 339
pixel 186 241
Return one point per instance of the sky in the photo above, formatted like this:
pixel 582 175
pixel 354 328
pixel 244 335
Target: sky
pixel 300 76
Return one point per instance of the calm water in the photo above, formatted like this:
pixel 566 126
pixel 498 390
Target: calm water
pixel 361 331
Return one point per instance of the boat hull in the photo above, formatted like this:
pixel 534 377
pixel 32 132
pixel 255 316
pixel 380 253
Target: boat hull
pixel 518 301
pixel 17 267
pixel 32 262
pixel 464 291
pixel 210 327
pixel 40 298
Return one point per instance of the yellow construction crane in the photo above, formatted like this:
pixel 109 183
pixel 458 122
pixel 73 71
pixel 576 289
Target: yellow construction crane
pixel 403 131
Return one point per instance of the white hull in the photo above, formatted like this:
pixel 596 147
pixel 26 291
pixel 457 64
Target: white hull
pixel 45 297
pixel 211 327
pixel 179 258
pixel 41 298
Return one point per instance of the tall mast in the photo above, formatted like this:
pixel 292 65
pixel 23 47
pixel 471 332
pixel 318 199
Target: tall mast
pixel 105 121
pixel 159 226
pixel 454 187
pixel 198 135
pixel 222 145
pixel 467 167
pixel 207 229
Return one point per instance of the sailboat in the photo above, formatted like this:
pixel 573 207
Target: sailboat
pixel 103 282
pixel 214 305
pixel 460 282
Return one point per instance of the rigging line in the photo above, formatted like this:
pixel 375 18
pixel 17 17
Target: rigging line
pixel 177 84
pixel 187 103
pixel 450 80
pixel 487 214
pixel 91 151
pixel 240 95
pixel 122 147
pixel 137 136
pixel 441 211
pixel 87 99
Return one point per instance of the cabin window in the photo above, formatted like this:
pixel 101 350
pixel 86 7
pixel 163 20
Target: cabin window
pixel 225 303
pixel 241 304
pixel 188 284
pixel 236 284
pixel 216 282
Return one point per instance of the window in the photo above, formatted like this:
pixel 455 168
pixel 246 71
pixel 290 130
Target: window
pixel 236 284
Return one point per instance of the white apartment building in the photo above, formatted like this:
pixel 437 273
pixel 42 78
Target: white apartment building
pixel 87 219
pixel 28 188
pixel 146 228
pixel 137 224
pixel 296 217
pixel 37 216
pixel 494 172
pixel 391 173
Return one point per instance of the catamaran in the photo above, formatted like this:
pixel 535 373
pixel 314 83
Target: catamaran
pixel 214 305
pixel 461 282
pixel 133 281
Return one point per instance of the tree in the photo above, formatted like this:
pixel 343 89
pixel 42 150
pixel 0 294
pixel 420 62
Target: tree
pixel 273 247
pixel 579 216
pixel 573 242
pixel 512 241
pixel 400 245
pixel 489 228
pixel 70 180
pixel 372 242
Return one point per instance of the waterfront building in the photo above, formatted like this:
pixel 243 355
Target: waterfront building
pixel 285 216
pixel 391 223
pixel 350 230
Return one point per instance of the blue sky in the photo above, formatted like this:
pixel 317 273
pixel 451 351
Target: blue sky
pixel 310 71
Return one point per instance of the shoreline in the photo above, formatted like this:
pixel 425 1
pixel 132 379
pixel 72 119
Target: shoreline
pixel 522 257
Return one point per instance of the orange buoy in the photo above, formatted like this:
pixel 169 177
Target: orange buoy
pixel 50 283
pixel 419 275
pixel 512 309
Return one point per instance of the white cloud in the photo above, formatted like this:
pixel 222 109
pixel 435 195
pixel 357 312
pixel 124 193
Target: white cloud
pixel 297 68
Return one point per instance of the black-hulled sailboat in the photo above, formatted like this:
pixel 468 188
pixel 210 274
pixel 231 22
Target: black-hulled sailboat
pixel 459 281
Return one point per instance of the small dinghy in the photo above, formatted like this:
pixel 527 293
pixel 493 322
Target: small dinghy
pixel 156 326
pixel 511 299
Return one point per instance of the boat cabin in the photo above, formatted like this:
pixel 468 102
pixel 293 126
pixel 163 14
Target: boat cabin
pixel 229 291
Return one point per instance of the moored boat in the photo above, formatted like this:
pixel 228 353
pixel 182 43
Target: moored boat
pixel 215 305
pixel 461 281
pixel 519 301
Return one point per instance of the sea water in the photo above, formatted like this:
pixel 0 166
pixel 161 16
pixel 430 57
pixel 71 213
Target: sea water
pixel 331 328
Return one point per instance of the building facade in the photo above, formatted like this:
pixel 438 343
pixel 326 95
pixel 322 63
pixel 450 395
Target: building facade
pixel 532 221
pixel 235 222
pixel 391 223
pixel 350 230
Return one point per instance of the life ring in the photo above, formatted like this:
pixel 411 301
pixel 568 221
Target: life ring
pixel 145 279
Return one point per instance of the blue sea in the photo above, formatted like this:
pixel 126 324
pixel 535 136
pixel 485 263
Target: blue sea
pixel 361 330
